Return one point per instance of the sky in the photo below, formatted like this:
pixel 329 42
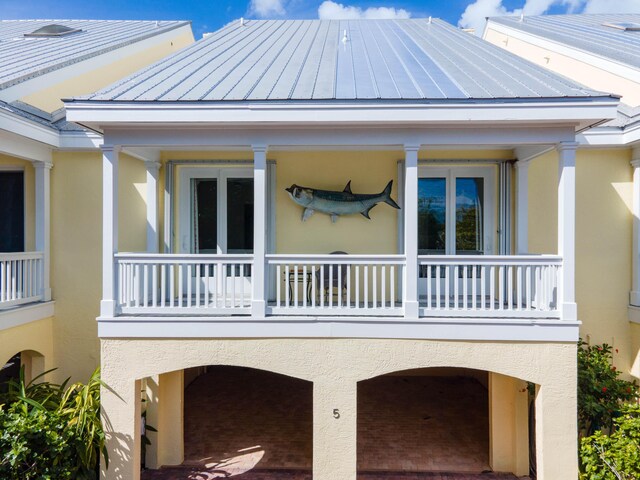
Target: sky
pixel 209 15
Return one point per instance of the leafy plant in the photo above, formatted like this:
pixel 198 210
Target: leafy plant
pixel 601 391
pixel 615 456
pixel 52 431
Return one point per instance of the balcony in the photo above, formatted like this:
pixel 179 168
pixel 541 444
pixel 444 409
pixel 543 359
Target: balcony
pixel 21 279
pixel 488 286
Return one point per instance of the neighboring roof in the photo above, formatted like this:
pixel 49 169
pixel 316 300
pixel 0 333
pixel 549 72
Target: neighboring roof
pixel 22 58
pixel 585 32
pixel 55 120
pixel 627 116
pixel 305 60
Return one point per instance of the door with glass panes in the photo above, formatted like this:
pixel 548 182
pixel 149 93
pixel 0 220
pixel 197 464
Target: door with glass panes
pixel 456 216
pixel 216 217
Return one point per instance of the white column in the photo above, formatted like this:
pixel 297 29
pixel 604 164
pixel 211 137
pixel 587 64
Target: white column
pixel 109 228
pixel 258 304
pixel 43 223
pixel 153 169
pixel 634 297
pixel 522 207
pixel 567 227
pixel 410 290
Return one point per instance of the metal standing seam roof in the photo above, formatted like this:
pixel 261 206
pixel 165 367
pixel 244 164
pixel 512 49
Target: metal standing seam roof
pixel 304 60
pixel 585 32
pixel 22 58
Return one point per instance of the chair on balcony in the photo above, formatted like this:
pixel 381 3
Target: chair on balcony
pixel 334 279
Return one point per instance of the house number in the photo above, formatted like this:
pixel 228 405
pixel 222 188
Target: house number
pixel 336 413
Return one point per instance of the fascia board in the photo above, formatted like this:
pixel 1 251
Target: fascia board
pixel 80 140
pixel 105 113
pixel 13 123
pixel 23 147
pixel 607 64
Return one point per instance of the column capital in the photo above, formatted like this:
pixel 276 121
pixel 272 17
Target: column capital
pixel 567 146
pixel 110 148
pixel 411 147
pixel 521 164
pixel 635 155
pixel 259 148
pixel 47 165
pixel 635 163
pixel 152 165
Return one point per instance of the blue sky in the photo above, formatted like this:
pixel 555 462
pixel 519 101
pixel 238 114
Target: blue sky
pixel 209 15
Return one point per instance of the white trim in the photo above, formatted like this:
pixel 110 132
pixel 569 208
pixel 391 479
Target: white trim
pixel 522 207
pixel 43 222
pixel 364 327
pixel 634 295
pixel 258 276
pixel 22 147
pixel 110 162
pixel 577 111
pixel 25 314
pixel 410 189
pixel 607 64
pixel 19 125
pixel 185 217
pixel 153 170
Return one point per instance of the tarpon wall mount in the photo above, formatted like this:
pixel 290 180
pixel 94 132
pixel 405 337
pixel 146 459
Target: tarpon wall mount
pixel 336 203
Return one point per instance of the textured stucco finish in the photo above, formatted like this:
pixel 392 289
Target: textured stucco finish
pixel 30 337
pixel 335 366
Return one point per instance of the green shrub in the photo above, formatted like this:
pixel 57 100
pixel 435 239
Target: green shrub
pixel 51 431
pixel 601 391
pixel 615 456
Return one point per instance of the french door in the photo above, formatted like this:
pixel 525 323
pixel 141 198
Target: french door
pixel 456 216
pixel 216 217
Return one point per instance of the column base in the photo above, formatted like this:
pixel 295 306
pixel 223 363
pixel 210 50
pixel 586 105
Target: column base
pixel 46 295
pixel 411 309
pixel 258 308
pixel 570 311
pixel 107 308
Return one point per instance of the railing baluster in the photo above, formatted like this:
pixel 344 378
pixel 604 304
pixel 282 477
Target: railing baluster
pixel 287 286
pixel 314 287
pixel 189 287
pixel 295 285
pixel 145 291
pixel 172 284
pixel 365 285
pixel 357 294
pixel 447 268
pixel 438 281
pixel 492 287
pixel 180 284
pixel 392 286
pixel 348 299
pixel 206 292
pixel 383 287
pixel 304 285
pixel 339 267
pixel 330 285
pixel 456 287
pixel 374 275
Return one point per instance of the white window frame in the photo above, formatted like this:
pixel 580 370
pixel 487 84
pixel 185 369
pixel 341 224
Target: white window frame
pixel 450 173
pixel 185 202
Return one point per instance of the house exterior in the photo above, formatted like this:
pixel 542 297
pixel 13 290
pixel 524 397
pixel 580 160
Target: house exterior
pixel 598 51
pixel 237 257
pixel 50 186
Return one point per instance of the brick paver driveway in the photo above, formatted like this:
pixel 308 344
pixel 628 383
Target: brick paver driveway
pixel 184 473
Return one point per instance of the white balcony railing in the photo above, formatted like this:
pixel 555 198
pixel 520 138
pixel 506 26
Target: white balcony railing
pixel 183 284
pixel 336 284
pixel 523 286
pixel 489 285
pixel 21 278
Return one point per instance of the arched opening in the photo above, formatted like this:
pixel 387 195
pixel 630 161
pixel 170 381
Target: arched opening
pixel 236 421
pixel 32 361
pixel 448 420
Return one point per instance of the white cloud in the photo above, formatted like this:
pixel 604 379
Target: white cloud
pixel 330 10
pixel 612 6
pixel 265 8
pixel 475 14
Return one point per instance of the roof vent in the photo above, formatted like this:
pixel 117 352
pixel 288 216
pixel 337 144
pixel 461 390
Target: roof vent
pixel 53 30
pixel 345 38
pixel 625 26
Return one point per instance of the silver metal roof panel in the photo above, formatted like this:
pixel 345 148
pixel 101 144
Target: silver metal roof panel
pixel 306 60
pixel 586 32
pixel 23 57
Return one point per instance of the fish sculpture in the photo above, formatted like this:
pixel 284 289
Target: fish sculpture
pixel 338 203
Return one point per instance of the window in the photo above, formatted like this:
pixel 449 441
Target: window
pixel 12 201
pixel 53 30
pixel 625 26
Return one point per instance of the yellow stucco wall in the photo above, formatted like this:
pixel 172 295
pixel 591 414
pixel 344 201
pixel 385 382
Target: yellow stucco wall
pixel 48 99
pixel 76 249
pixel 335 366
pixel 603 239
pixel 8 162
pixel 594 77
pixel 33 336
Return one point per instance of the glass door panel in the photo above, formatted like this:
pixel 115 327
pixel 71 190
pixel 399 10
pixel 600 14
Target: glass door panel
pixel 432 216
pixel 240 215
pixel 469 216
pixel 205 215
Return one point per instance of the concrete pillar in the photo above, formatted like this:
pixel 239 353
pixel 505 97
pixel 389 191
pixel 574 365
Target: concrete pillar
pixel 165 412
pixel 557 429
pixel 258 303
pixel 634 297
pixel 109 228
pixel 508 425
pixel 334 429
pixel 121 420
pixel 43 223
pixel 567 228
pixel 410 290
pixel 522 207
